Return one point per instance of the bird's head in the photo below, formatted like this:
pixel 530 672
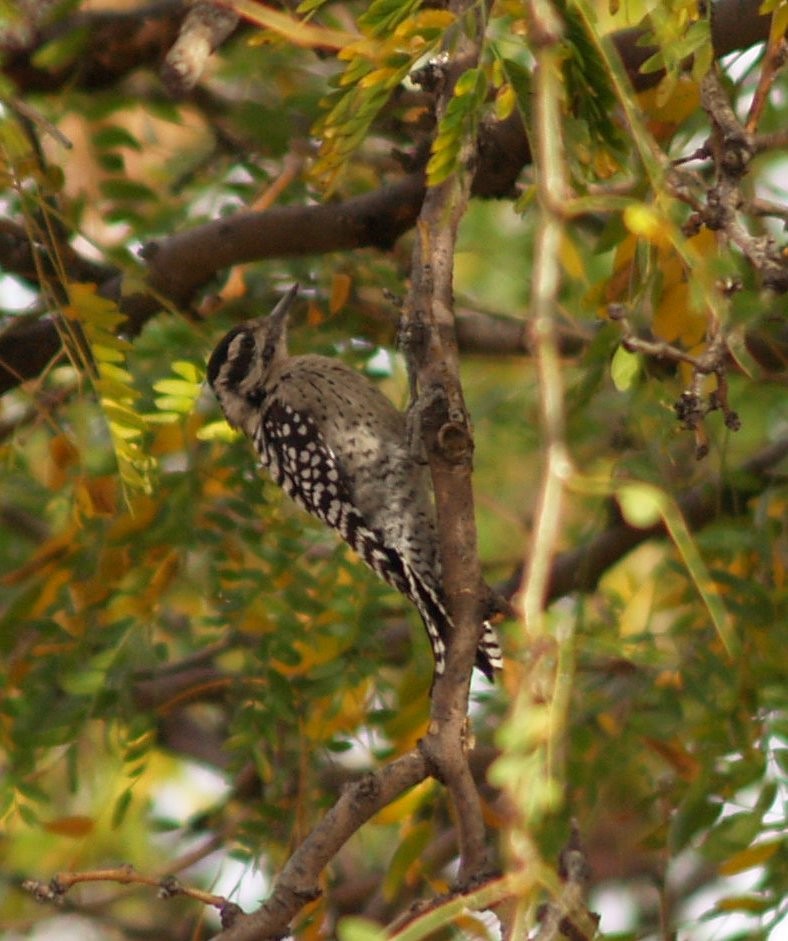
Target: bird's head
pixel 242 361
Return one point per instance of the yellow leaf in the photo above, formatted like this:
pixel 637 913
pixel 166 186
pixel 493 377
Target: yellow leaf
pixel 405 806
pixel 669 679
pixel 641 504
pixel 703 245
pixel 340 291
pixel 636 615
pixel 312 653
pixel 505 102
pixel 671 315
pixel 330 720
pixel 619 285
pixel 107 354
pixel 50 591
pixel 187 370
pixel 779 23
pixel 314 315
pixel 75 827
pixel 164 574
pixel 255 620
pixel 94 311
pixel 747 858
pixel 424 20
pixel 609 724
pixel 52 551
pixel 742 903
pixel 360 48
pixel 295 31
pixel 683 762
pixel 217 431
pixel 97 496
pixel 141 515
pixel 670 105
pixel 62 456
pixel 181 387
pixel 378 77
pixel 645 222
pixel 116 374
pixel 571 260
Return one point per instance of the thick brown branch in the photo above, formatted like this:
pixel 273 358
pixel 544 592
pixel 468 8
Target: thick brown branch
pixel 180 265
pixel 298 882
pixel 29 261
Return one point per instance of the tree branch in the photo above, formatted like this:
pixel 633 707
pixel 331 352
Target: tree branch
pixel 440 419
pixel 298 881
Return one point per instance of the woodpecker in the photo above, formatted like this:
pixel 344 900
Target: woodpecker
pixel 335 444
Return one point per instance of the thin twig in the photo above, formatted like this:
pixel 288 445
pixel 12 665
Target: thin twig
pixel 773 61
pixel 168 886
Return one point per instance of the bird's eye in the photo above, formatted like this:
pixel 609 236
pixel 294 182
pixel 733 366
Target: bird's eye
pixel 247 344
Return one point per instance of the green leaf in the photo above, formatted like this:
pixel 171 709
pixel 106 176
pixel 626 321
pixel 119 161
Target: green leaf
pixel 121 808
pixel 624 368
pixel 188 371
pixel 457 125
pixel 128 190
pixel 737 832
pixel 383 16
pixel 62 51
pixel 112 135
pixel 85 682
pixel 641 504
pixel 405 855
pixel 28 815
pixel 354 928
pixel 182 387
pixel 697 812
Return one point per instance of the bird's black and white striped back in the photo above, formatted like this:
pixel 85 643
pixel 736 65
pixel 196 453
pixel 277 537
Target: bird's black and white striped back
pixel 301 462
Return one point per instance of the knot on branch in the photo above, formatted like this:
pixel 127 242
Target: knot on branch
pixel 736 153
pixel 366 789
pixel 445 431
pixel 718 211
pixel 455 443
pixel 169 887
pixel 229 914
pixel 45 892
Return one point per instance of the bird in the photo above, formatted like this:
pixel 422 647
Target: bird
pixel 341 450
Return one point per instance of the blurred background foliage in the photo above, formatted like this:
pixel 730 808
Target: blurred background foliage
pixel 190 668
